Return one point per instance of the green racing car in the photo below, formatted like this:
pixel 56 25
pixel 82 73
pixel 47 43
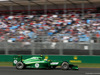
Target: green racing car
pixel 40 62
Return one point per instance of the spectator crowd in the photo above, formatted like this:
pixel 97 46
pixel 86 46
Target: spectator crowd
pixel 70 27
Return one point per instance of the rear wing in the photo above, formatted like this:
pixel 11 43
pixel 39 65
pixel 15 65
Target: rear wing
pixel 17 59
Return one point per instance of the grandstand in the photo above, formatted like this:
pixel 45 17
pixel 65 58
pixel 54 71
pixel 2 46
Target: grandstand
pixel 50 27
pixel 44 6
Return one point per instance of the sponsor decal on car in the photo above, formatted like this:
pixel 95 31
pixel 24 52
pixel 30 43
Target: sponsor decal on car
pixel 15 61
pixel 37 65
pixel 54 63
pixel 29 62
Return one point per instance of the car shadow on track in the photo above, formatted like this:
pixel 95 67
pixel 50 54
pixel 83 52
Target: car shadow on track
pixel 48 69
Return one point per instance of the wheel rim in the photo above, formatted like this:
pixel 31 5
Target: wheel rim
pixel 65 66
pixel 19 65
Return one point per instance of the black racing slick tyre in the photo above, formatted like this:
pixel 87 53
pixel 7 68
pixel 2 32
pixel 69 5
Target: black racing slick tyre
pixel 20 66
pixel 65 66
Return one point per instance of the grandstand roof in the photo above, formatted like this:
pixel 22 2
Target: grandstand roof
pixel 23 3
pixel 42 2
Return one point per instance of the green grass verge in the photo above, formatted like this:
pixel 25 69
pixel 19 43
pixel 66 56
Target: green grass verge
pixel 88 65
pixel 82 65
pixel 6 64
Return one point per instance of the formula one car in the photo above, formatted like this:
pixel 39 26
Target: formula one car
pixel 41 62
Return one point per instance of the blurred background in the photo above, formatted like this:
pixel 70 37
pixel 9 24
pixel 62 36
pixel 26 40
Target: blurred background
pixel 52 27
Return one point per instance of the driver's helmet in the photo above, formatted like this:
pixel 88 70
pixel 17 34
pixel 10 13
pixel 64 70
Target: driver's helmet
pixel 45 59
pixel 41 55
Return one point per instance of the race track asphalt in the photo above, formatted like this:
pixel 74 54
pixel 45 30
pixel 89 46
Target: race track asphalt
pixel 81 71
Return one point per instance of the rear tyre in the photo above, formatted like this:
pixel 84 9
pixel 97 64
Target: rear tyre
pixel 20 66
pixel 65 66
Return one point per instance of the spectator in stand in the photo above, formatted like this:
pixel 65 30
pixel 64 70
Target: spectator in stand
pixel 69 27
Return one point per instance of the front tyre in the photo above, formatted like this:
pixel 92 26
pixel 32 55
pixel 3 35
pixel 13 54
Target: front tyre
pixel 20 65
pixel 65 66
